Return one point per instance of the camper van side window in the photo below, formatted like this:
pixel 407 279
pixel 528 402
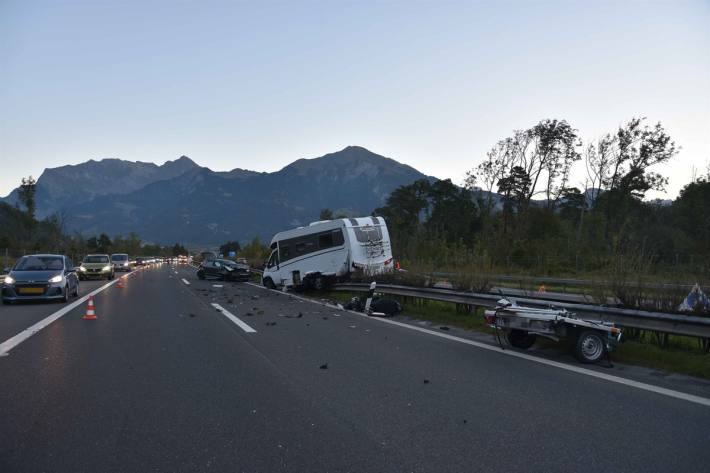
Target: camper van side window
pixel 284 253
pixel 338 239
pixel 325 240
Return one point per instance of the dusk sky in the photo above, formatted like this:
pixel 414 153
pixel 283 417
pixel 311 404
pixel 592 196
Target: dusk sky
pixel 258 85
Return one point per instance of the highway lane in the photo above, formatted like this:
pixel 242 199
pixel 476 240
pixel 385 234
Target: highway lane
pixel 162 381
pixel 20 315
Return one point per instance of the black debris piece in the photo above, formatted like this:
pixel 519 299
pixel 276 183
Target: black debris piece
pixel 270 324
pixel 192 315
pixel 465 421
pixel 324 366
pixel 444 327
pixel 325 318
pixel 249 314
pixel 426 381
pixel 299 315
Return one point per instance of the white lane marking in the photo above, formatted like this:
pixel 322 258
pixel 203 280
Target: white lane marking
pixel 575 369
pixel 233 318
pixel 186 281
pixel 11 343
pixel 217 285
pixel 176 272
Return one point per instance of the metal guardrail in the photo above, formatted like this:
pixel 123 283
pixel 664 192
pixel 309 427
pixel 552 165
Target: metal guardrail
pixel 571 282
pixel 688 325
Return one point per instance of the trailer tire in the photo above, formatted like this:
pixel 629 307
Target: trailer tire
pixel 269 283
pixel 590 346
pixel 521 338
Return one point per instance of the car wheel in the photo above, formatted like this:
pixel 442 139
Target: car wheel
pixel 65 296
pixel 76 290
pixel 6 301
pixel 200 274
pixel 269 283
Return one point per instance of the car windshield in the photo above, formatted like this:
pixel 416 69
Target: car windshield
pixel 96 259
pixel 119 257
pixel 39 263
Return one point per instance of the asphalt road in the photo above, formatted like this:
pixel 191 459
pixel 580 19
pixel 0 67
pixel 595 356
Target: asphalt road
pixel 165 382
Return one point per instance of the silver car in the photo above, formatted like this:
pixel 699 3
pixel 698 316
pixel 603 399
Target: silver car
pixel 40 277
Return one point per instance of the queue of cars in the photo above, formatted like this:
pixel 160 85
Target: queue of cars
pixel 55 277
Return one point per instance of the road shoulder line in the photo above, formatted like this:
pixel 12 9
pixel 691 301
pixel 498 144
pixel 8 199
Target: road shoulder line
pixel 575 369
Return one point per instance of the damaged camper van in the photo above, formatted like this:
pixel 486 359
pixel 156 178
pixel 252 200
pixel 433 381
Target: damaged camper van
pixel 328 251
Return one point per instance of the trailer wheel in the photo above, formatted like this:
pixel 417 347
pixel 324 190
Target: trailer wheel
pixel 521 338
pixel 590 346
pixel 268 283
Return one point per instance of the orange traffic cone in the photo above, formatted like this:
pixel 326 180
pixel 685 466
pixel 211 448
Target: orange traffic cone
pixel 120 284
pixel 541 289
pixel 90 313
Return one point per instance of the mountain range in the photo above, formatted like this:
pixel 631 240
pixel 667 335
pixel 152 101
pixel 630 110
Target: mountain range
pixel 181 201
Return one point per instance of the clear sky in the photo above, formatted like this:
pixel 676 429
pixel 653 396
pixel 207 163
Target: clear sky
pixel 259 84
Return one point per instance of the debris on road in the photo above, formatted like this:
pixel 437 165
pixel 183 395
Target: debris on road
pixel 324 366
pixel 270 324
pixel 444 327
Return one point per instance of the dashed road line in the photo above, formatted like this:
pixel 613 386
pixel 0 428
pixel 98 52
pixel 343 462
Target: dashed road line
pixel 185 281
pixel 234 318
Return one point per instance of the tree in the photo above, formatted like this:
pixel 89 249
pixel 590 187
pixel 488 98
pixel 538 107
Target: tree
pixel 639 148
pixel 326 214
pixel 179 250
pixel 230 246
pixel 28 189
pixel 255 252
pixel 545 152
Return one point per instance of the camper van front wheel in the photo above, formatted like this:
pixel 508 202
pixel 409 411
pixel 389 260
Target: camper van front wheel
pixel 268 283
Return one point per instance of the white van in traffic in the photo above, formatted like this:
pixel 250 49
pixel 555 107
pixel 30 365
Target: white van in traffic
pixel 328 251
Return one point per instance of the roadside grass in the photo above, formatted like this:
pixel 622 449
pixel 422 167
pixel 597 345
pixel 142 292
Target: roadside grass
pixel 682 355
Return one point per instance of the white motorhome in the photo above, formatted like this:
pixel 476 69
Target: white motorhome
pixel 328 251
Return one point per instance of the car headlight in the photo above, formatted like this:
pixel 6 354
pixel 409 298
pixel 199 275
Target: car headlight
pixel 57 278
pixel 107 268
pixel 82 269
pixel 9 280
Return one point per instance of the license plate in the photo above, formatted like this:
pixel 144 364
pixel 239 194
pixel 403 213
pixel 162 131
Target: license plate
pixel 31 290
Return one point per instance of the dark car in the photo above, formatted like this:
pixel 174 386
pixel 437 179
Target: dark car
pixel 41 277
pixel 223 269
